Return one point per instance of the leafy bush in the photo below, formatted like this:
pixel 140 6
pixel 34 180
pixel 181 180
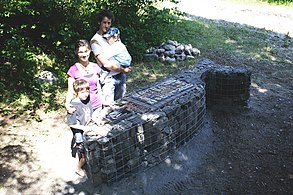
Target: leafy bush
pixel 279 2
pixel 40 35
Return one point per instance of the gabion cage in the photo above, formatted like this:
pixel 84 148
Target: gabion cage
pixel 145 128
pixel 150 123
pixel 227 86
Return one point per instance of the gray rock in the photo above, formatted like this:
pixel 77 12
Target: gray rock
pixel 195 52
pixel 47 77
pixel 170 53
pixel 179 49
pixel 170 60
pixel 173 49
pixel 190 57
pixel 180 57
pixel 150 50
pixel 169 47
pixel 174 43
pixel 160 51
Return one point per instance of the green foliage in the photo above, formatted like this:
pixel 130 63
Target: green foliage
pixel 40 35
pixel 279 2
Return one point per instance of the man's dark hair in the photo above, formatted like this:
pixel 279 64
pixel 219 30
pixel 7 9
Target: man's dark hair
pixel 105 13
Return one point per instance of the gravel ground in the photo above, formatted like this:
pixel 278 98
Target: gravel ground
pixel 239 151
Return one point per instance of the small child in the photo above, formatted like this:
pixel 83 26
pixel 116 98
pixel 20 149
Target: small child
pixel 119 53
pixel 79 119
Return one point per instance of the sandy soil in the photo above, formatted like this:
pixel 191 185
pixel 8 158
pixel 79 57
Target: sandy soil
pixel 240 151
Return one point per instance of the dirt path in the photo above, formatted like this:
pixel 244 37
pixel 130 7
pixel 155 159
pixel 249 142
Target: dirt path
pixel 277 19
pixel 240 152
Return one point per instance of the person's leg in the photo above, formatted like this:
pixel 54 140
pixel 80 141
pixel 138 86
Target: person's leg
pixel 73 142
pixel 81 156
pixel 81 153
pixel 120 86
pixel 80 171
pixel 73 147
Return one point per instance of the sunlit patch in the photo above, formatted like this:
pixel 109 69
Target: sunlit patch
pixel 230 41
pixel 168 161
pixel 177 167
pixel 183 156
pixel 261 90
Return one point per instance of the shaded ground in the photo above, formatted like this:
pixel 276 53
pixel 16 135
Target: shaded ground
pixel 240 151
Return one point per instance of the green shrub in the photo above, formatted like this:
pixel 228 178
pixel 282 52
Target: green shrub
pixel 40 35
pixel 279 2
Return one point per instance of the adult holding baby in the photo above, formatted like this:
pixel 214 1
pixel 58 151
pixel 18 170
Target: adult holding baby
pixel 99 45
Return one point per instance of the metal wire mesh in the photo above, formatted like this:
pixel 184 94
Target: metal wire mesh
pixel 145 136
pixel 227 87
pixel 149 124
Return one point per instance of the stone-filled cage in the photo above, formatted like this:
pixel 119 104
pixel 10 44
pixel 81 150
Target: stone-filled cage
pixel 227 86
pixel 150 123
pixel 145 128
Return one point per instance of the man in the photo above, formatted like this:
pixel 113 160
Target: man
pixel 99 44
pixel 118 53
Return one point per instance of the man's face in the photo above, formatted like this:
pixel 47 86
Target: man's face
pixel 105 24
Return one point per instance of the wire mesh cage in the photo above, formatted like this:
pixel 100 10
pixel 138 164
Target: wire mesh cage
pixel 149 124
pixel 227 86
pixel 145 128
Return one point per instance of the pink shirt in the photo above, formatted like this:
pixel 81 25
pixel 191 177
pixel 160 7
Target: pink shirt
pixel 93 80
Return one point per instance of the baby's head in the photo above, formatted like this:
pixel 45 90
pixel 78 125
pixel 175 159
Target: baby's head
pixel 112 35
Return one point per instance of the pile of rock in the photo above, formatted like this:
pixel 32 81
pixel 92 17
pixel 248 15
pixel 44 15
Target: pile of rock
pixel 171 51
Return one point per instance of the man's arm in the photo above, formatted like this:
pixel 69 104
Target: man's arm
pixel 111 65
pixel 102 58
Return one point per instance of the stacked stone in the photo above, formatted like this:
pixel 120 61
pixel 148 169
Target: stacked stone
pixel 227 86
pixel 115 155
pixel 150 123
pixel 172 51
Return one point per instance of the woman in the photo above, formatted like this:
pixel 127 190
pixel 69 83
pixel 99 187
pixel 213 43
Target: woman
pixel 89 71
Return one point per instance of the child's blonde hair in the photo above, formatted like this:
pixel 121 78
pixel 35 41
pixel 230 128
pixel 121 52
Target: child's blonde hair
pixel 80 85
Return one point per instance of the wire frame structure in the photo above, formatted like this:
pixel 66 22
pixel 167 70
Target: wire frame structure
pixel 149 124
pixel 145 128
pixel 227 86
